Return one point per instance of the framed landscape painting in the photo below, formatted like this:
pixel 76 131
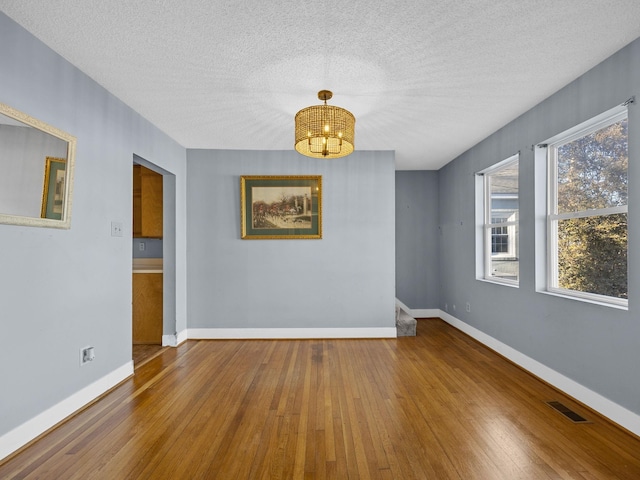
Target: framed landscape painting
pixel 281 207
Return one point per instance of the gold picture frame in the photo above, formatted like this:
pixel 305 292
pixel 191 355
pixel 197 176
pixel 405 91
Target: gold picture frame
pixel 281 207
pixel 53 190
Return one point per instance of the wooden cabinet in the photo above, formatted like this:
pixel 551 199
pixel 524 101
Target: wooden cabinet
pixel 147 203
pixel 147 308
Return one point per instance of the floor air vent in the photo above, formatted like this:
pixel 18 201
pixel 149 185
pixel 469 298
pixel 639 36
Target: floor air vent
pixel 567 412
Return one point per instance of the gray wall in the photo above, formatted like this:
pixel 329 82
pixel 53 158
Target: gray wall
pixel 346 279
pixel 61 290
pixel 417 239
pixel 594 345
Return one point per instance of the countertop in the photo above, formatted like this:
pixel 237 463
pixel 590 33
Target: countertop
pixel 147 265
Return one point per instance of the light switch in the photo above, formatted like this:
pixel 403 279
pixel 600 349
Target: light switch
pixel 116 229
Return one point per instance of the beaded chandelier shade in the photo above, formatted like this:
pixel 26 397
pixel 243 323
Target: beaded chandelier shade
pixel 324 131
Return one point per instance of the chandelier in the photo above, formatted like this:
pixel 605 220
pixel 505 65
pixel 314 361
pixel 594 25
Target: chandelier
pixel 324 131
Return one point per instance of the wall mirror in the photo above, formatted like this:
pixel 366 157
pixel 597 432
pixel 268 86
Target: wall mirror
pixel 37 162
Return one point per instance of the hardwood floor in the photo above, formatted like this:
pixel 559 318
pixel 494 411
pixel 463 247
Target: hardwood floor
pixel 143 353
pixel 435 406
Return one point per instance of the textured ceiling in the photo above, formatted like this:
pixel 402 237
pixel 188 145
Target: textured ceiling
pixel 426 78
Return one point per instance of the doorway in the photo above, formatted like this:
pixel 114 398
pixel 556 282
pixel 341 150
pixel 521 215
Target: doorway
pixel 153 259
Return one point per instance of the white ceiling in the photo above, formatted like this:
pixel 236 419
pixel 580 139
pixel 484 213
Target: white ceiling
pixel 426 78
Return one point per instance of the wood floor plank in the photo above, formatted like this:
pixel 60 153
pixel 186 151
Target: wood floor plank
pixel 435 406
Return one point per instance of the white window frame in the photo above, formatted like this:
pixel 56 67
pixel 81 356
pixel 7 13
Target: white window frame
pixel 485 224
pixel 553 217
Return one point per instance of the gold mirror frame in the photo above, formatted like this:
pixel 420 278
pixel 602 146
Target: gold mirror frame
pixel 65 209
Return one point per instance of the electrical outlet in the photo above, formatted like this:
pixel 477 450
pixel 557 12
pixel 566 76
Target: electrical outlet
pixel 87 354
pixel 141 246
pixel 116 229
pixel 446 307
pixel 468 307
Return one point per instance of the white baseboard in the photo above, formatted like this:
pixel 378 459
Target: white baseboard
pixel 425 313
pixel 419 312
pixel 616 413
pixel 182 337
pixel 289 333
pixel 175 339
pixel 31 429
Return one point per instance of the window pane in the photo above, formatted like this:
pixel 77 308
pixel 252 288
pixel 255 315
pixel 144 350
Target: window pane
pixel 592 255
pixel 504 193
pixel 592 170
pixel 504 248
pixel 499 240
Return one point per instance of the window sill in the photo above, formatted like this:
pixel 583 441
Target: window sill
pixel 585 300
pixel 511 284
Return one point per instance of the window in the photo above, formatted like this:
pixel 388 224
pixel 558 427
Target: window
pixel 587 210
pixel 499 238
pixel 498 218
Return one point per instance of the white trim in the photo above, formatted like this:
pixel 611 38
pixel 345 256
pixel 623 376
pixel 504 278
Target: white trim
pixel 175 339
pixel 611 302
pixel 424 312
pixel 182 337
pixel 503 282
pixel 419 312
pixel 289 333
pixel 402 306
pixel 31 429
pixel 593 212
pixel 285 333
pixel 603 120
pixel 614 412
